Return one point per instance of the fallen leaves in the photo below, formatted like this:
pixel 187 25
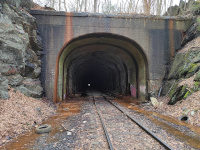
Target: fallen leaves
pixel 189 107
pixel 20 113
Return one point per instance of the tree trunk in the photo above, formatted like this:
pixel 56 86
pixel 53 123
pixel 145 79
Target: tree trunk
pixel 95 6
pixel 146 6
pixel 59 4
pixel 53 3
pixel 65 5
pixel 158 7
pixel 77 5
pixel 136 7
pixel 85 5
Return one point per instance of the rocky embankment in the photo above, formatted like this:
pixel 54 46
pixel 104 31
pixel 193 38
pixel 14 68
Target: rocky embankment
pixel 20 67
pixel 183 78
pixel 20 50
pixel 180 94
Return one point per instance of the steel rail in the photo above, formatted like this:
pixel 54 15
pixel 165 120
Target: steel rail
pixel 142 126
pixel 104 127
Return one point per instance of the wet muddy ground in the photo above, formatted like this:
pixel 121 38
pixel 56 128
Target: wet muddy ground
pixel 77 126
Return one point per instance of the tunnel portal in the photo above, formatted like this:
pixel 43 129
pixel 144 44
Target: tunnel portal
pixel 104 62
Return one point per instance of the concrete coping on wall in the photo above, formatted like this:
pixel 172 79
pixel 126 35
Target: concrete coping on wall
pixel 101 15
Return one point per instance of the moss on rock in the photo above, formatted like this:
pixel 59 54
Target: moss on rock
pixel 176 66
pixel 185 65
pixel 197 77
pixel 178 95
pixel 188 93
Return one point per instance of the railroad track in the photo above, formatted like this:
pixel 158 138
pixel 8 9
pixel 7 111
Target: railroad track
pixel 109 141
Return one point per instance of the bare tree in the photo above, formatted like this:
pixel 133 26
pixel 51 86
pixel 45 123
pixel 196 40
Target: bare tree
pixel 147 6
pixel 59 4
pixel 159 7
pixel 136 6
pixel 95 6
pixel 53 4
pixel 65 5
pixel 86 5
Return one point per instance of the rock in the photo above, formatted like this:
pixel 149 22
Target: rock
pixel 184 65
pixel 179 94
pixel 192 113
pixel 186 111
pixel 172 11
pixel 4 88
pixel 177 63
pixel 38 109
pixel 20 49
pixel 8 137
pixel 170 87
pixel 36 41
pixel 4 95
pixel 197 76
pixel 15 80
pixel 31 87
pixel 154 101
pixel 190 34
pixel 69 133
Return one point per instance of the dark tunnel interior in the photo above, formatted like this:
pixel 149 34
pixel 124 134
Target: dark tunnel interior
pixel 103 62
pixel 98 71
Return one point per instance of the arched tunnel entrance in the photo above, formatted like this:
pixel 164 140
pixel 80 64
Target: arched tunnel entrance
pixel 104 62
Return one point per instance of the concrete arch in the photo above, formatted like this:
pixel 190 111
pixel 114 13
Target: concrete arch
pixel 112 63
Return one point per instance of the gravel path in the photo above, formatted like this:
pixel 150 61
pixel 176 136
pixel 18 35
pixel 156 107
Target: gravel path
pixel 80 132
pixel 84 131
pixel 175 143
pixel 124 134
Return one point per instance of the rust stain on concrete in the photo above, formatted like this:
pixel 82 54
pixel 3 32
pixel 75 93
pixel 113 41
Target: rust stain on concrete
pixel 171 38
pixel 68 27
pixel 68 35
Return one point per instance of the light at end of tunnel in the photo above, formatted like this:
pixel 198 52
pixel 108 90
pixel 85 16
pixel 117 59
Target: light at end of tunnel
pixel 88 84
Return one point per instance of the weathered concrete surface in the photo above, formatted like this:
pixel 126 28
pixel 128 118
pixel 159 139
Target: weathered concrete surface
pixel 155 39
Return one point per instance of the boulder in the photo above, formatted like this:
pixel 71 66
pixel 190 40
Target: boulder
pixel 184 65
pixel 172 11
pixel 170 87
pixel 31 87
pixel 197 76
pixel 15 80
pixel 20 50
pixel 154 101
pixel 4 95
pixel 181 93
pixel 4 88
pixel 177 63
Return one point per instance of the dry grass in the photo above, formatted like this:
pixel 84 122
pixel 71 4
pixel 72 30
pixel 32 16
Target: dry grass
pixel 20 113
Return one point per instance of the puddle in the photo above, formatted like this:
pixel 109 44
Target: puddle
pixel 64 110
pixel 192 141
